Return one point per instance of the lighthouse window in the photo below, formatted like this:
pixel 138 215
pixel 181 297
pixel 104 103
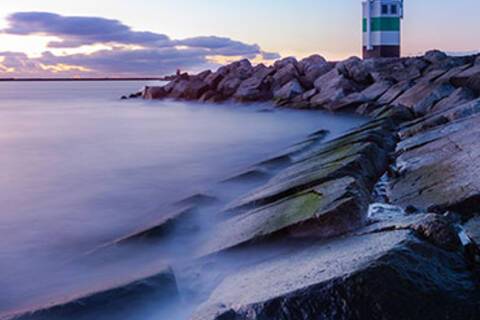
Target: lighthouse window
pixel 394 9
pixel 384 9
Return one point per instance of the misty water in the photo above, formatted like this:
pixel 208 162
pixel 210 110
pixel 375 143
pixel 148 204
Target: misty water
pixel 80 168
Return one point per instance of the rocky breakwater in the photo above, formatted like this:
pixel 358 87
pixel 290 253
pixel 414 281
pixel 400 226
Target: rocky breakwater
pixel 417 265
pixel 423 83
pixel 326 257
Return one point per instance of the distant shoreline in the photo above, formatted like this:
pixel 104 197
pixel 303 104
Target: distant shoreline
pixel 79 79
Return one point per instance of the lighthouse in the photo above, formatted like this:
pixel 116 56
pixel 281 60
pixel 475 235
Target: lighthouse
pixel 381 28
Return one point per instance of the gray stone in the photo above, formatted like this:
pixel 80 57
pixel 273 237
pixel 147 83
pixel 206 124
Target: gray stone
pixel 255 88
pixel 329 209
pixel 333 87
pixel 423 96
pixel 314 66
pixel 439 165
pixel 353 69
pixel 288 91
pixel 472 228
pixel 435 56
pixel 229 85
pixel 458 97
pixel 395 91
pixel 373 276
pixel 469 78
pixel 150 93
pixel 120 300
pixel 284 75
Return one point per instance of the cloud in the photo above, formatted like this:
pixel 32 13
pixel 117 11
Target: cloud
pixel 130 52
pixel 79 31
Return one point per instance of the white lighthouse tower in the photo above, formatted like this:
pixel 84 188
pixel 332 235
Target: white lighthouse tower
pixel 381 28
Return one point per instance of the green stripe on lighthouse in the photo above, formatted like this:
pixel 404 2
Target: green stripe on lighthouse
pixel 383 24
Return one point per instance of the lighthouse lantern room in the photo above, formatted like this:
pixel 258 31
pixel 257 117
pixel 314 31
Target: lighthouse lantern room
pixel 381 28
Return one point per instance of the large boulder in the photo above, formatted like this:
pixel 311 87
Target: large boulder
pixel 435 56
pixel 189 89
pixel 354 69
pixel 214 79
pixel 381 275
pixel 151 93
pixel 257 87
pixel 284 75
pixel 469 78
pixel 395 91
pixel 229 85
pixel 122 300
pixel 370 94
pixel 289 91
pixel 314 66
pixel 424 95
pixel 279 64
pixel 458 97
pixel 329 209
pixel 332 88
pixel 438 162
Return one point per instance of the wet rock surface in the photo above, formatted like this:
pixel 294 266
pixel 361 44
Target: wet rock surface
pixel 374 276
pixel 119 300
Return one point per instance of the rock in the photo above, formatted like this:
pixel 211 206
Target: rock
pixel 472 228
pixel 255 88
pixel 189 90
pixel 314 66
pixel 228 86
pixel 437 230
pixel 119 300
pixel 435 56
pixel 288 91
pixel 438 161
pixel 372 276
pixel 203 75
pixel 458 97
pixel 333 87
pixel 361 154
pixel 395 69
pixel 280 64
pixel 354 69
pixel 469 78
pixel 423 96
pixel 211 96
pixel 330 209
pixel 395 91
pixel 303 100
pixel 370 94
pixel 214 79
pixel 198 200
pixel 284 75
pixel 151 93
pixel 477 60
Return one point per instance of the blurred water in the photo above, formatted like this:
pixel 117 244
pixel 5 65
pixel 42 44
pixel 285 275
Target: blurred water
pixel 79 168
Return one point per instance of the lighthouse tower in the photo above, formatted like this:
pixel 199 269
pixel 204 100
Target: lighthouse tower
pixel 381 28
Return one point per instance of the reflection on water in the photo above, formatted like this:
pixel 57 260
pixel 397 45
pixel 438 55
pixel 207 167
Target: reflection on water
pixel 79 168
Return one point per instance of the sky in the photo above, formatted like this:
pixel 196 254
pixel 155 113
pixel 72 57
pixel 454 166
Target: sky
pixel 155 37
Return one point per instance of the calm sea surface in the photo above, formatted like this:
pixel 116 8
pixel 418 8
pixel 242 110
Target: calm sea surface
pixel 79 168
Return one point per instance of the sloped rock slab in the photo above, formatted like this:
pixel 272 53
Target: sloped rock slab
pixel 387 275
pixel 329 209
pixel 361 153
pixel 118 301
pixel 439 167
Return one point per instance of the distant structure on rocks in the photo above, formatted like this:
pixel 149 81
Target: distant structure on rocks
pixel 381 28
